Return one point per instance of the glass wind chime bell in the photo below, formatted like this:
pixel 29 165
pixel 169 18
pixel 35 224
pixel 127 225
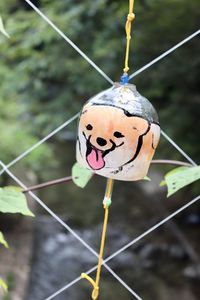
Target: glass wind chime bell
pixel 118 133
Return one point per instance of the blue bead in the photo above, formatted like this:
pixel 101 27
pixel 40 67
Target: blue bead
pixel 124 78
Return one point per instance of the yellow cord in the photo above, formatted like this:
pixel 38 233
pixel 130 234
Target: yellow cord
pixel 130 18
pixel 106 203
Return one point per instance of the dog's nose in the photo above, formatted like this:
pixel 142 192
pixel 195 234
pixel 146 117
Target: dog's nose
pixel 101 141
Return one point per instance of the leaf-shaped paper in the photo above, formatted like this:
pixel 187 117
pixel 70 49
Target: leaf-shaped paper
pixel 2 29
pixel 12 200
pixel 81 175
pixel 2 240
pixel 180 177
pixel 3 285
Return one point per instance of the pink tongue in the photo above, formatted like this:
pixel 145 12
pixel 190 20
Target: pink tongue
pixel 95 159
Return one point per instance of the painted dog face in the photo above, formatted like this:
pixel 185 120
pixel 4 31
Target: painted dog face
pixel 115 144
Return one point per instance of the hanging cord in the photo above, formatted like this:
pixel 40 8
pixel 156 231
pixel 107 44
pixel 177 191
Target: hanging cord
pixel 106 203
pixel 130 18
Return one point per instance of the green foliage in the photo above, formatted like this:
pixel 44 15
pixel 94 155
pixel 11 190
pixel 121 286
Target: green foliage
pixel 81 175
pixel 12 200
pixel 16 138
pixel 2 240
pixel 180 177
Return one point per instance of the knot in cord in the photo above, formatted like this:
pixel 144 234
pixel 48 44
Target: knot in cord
pixel 131 17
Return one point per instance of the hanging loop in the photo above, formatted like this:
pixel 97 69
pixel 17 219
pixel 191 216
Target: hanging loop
pixel 95 292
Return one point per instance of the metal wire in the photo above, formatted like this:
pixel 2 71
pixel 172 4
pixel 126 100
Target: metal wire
pixel 175 145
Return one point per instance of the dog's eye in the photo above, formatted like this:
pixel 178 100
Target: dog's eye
pixel 118 134
pixel 89 127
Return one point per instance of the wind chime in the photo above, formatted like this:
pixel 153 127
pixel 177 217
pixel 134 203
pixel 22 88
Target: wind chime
pixel 118 133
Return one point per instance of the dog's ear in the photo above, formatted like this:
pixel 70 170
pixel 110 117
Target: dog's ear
pixel 155 135
pixel 140 125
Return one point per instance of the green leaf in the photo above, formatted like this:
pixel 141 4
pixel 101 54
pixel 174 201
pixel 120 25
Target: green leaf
pixel 3 285
pixel 2 240
pixel 81 175
pixel 180 177
pixel 13 200
pixel 2 29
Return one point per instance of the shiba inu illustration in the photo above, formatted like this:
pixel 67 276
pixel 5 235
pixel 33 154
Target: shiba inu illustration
pixel 118 133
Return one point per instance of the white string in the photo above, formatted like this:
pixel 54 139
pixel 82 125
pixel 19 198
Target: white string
pixel 178 148
pixel 25 153
pixel 69 41
pixel 165 54
pixel 128 245
pixel 17 180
